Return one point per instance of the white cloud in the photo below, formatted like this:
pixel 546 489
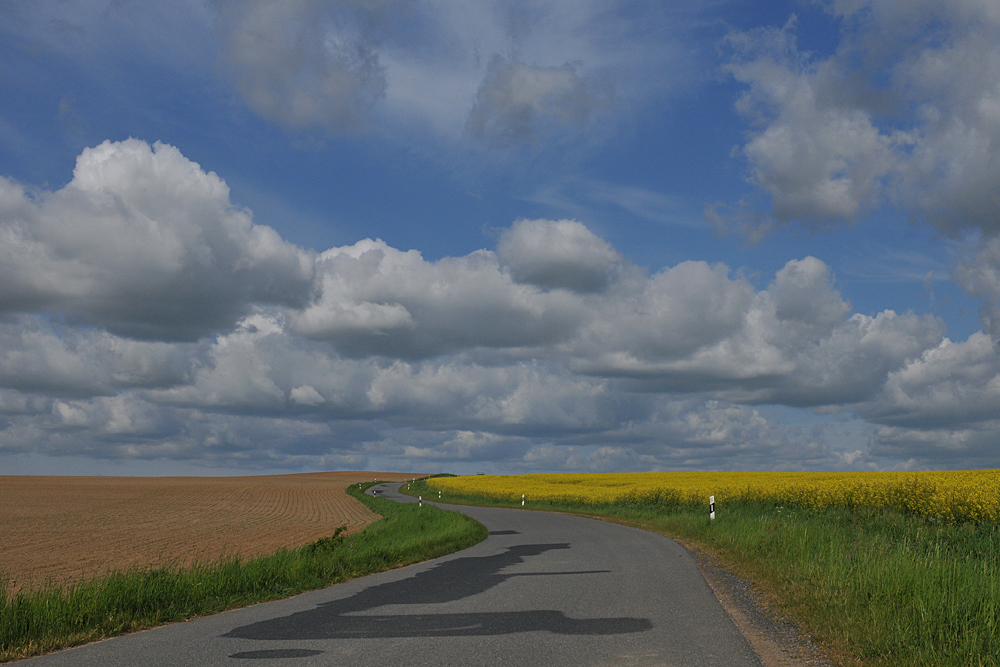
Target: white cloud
pixel 554 254
pixel 803 293
pixel 143 242
pixel 978 272
pixel 520 397
pixel 456 352
pixel 257 368
pixel 115 417
pixel 696 330
pixel 306 395
pixel 940 409
pixel 952 384
pixel 37 356
pixel 553 351
pixel 819 159
pixel 374 299
pixel 903 113
pixel 671 316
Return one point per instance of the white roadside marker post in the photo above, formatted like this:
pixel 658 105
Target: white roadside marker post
pixel 439 495
pixel 522 500
pixel 711 507
pixel 420 501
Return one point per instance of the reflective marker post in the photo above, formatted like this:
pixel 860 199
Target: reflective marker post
pixel 522 500
pixel 711 507
pixel 420 501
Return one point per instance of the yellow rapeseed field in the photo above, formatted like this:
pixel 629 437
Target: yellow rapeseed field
pixel 952 496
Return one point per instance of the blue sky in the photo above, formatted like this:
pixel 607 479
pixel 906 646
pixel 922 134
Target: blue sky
pixel 498 236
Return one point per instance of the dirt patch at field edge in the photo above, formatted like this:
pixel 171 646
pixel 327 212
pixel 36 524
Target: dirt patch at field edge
pixel 57 531
pixel 777 642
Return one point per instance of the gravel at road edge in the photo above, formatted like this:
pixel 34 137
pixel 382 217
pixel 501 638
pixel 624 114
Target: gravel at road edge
pixel 777 642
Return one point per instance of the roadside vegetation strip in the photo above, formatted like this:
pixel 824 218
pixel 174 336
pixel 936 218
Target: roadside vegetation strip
pixel 872 585
pixel 34 622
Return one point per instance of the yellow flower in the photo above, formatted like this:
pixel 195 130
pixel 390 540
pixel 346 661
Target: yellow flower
pixel 955 496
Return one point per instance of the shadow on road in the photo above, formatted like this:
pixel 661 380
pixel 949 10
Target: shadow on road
pixel 450 581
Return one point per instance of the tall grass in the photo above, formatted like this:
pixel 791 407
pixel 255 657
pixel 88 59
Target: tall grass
pixel 33 622
pixel 876 587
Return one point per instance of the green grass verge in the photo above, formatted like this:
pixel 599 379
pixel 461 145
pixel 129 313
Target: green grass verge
pixel 873 587
pixel 42 621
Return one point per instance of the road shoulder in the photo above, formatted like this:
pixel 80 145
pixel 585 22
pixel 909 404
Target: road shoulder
pixel 777 642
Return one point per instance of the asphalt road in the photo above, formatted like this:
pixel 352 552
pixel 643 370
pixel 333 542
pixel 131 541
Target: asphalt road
pixel 544 589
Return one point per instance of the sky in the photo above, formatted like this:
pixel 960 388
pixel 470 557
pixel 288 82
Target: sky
pixel 242 237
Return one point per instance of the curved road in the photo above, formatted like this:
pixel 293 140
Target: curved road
pixel 544 589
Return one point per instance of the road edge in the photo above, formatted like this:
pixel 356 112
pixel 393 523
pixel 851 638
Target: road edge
pixel 776 641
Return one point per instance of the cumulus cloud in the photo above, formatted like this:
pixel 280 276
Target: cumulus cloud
pixel 821 160
pixel 144 243
pixel 557 293
pixel 903 113
pixel 554 352
pixel 39 357
pixel 263 368
pixel 374 299
pixel 448 340
pixel 939 409
pixel 951 384
pixel 306 395
pixel 557 254
pixel 651 323
pixel 978 272
pixel 803 293
pixel 695 329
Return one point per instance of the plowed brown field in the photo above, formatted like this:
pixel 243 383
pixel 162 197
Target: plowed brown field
pixel 61 530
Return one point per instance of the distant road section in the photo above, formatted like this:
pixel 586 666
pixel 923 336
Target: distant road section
pixel 545 589
pixel 65 529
